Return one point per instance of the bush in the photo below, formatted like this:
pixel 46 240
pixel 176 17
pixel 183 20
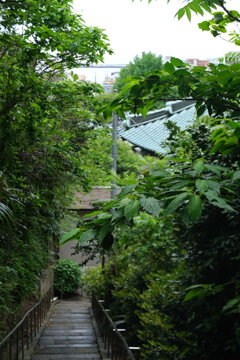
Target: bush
pixel 67 275
pixel 94 280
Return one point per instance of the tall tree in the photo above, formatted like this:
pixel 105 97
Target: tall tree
pixel 44 118
pixel 140 66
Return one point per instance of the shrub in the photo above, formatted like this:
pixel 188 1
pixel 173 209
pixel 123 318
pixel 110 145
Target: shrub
pixel 93 280
pixel 67 275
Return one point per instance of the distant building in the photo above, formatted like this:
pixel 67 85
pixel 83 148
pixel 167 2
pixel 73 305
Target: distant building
pixel 108 83
pixel 197 62
pixel 81 77
pixel 84 204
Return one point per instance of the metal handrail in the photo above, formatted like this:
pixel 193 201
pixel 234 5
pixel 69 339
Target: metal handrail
pixel 114 342
pixel 12 346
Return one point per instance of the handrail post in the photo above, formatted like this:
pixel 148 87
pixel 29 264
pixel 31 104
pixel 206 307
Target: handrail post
pixel 22 339
pixel 111 334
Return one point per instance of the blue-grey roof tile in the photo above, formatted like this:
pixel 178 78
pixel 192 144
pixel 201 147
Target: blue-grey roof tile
pixel 150 134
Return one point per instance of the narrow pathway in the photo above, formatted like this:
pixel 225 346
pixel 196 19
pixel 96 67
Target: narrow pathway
pixel 68 334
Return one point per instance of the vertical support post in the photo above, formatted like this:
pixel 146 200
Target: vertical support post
pixel 31 325
pixel 27 333
pixel 61 291
pixel 22 339
pixel 35 322
pixel 10 348
pixel 114 154
pixel 17 346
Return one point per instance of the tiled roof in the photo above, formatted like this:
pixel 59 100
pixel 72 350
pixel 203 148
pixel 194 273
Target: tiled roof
pixel 150 134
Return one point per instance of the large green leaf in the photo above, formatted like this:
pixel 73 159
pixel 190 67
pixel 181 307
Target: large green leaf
pixel 70 235
pixel 131 209
pixel 151 205
pixel 215 168
pixel 201 185
pixel 107 242
pixel 195 207
pixel 231 303
pixel 180 184
pixel 105 229
pixel 177 62
pixel 102 218
pixel 126 190
pixel 236 175
pixel 176 202
pixel 86 236
pixel 169 68
pixel 199 166
pixel 198 291
pixel 214 185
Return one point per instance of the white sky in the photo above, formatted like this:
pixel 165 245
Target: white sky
pixel 134 27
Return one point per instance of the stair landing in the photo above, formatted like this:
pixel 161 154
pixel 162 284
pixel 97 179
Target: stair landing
pixel 69 334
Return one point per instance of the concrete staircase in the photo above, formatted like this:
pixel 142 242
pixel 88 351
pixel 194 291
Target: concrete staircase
pixel 69 334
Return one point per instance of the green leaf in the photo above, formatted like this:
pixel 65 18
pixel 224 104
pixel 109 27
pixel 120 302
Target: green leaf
pixel 151 205
pixel 86 236
pixel 126 190
pixel 117 215
pixel 237 132
pixel 180 13
pixel 122 203
pixel 176 202
pixel 185 216
pixel 188 13
pixel 75 77
pixel 218 17
pixel 131 209
pixel 195 207
pixel 205 6
pixel 105 229
pixel 158 173
pixel 70 235
pixel 236 175
pixel 169 68
pixel 201 185
pixel 192 294
pixel 214 185
pixel 215 168
pixel 102 217
pixel 177 62
pixel 201 110
pixel 144 111
pixel 222 204
pixel 199 166
pixel 107 242
pixel 211 195
pixel 231 303
pixel 180 184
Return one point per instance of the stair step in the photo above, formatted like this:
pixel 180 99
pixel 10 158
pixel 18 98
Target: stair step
pixel 68 335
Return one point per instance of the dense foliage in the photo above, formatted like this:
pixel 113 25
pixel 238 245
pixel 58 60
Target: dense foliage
pixel 178 285
pixel 67 276
pixel 45 116
pixel 139 67
pixel 97 160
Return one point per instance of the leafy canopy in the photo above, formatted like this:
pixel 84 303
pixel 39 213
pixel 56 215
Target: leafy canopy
pixel 140 66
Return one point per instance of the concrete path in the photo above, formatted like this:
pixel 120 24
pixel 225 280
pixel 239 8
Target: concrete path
pixel 69 334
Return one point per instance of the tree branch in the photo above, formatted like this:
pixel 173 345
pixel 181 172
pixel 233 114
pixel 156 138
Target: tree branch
pixel 221 3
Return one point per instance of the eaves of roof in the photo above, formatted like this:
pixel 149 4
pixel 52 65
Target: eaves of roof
pixel 151 134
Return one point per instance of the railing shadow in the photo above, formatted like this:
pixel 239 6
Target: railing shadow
pixel 13 346
pixel 114 343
